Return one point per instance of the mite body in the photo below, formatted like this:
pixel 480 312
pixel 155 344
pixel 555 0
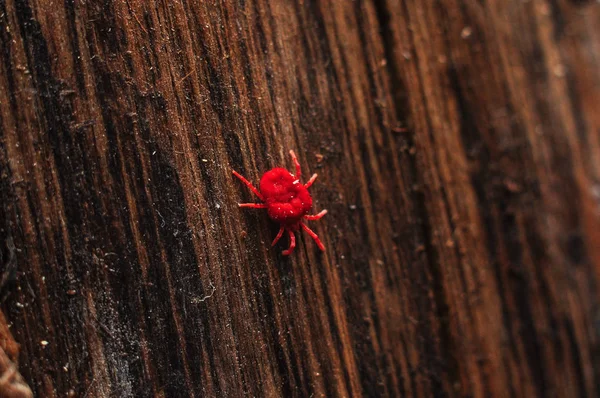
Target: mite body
pixel 286 200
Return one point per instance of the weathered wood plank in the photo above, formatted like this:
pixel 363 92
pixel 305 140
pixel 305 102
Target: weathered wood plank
pixel 458 155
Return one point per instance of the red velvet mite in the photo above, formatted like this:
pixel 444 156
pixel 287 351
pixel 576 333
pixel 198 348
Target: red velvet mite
pixel 287 201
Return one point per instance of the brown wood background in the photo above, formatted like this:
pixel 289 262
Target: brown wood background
pixel 460 145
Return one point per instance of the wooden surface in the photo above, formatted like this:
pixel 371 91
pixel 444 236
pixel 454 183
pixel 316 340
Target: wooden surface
pixel 458 148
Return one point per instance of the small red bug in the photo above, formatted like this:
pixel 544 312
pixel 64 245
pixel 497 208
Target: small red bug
pixel 287 201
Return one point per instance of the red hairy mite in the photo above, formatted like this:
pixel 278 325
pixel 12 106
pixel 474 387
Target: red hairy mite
pixel 287 202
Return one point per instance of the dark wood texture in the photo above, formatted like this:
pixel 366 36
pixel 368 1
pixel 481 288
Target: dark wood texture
pixel 458 147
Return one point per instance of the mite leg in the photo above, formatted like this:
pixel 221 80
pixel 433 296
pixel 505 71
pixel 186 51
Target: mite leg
pixel 292 244
pixel 295 160
pixel 253 205
pixel 310 182
pixel 316 216
pixel 279 234
pixel 248 184
pixel 314 236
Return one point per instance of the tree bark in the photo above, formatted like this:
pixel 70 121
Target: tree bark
pixel 458 151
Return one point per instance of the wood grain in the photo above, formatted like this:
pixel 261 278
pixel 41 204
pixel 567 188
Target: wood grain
pixel 458 151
